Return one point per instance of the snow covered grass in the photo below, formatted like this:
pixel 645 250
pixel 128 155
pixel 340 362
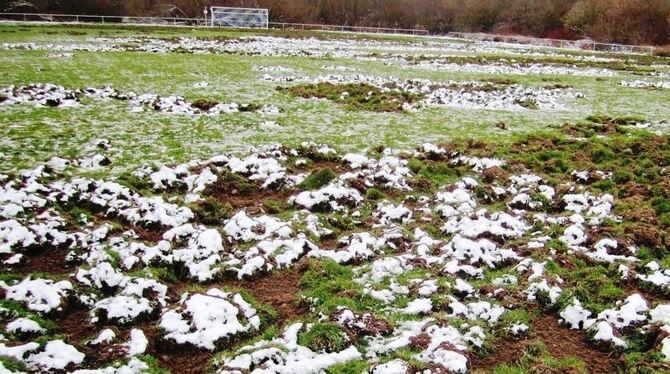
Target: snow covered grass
pixel 461 248
pixel 466 232
pixel 380 95
pixel 136 137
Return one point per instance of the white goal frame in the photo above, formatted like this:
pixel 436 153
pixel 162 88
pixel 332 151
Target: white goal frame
pixel 239 17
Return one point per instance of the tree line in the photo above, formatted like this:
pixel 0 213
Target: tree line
pixel 618 21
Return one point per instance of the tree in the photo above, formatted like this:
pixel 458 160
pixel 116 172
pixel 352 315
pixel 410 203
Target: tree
pixel 622 21
pixel 536 17
pixel 478 15
pixel 629 21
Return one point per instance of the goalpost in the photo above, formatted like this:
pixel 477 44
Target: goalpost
pixel 239 17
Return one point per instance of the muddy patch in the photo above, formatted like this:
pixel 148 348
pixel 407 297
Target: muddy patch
pixel 279 290
pixel 560 342
pixel 45 261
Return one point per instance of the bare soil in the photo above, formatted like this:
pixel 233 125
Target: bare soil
pixel 561 342
pixel 44 260
pixel 279 290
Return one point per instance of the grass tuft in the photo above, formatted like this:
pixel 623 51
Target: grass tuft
pixel 317 179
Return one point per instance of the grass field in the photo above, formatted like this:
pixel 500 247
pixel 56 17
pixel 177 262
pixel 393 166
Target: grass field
pixel 231 78
pixel 302 202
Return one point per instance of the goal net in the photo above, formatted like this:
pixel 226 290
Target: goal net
pixel 239 17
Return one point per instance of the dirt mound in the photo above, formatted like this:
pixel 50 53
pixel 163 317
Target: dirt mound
pixel 560 342
pixel 279 290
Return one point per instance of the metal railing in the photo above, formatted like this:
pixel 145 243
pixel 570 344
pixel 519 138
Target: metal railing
pixel 113 20
pixel 190 22
pixel 586 45
pixel 356 29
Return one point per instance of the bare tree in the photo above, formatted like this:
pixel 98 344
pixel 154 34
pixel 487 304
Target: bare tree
pixel 622 21
pixel 634 21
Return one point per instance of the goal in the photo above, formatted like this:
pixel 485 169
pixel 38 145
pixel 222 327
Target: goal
pixel 240 17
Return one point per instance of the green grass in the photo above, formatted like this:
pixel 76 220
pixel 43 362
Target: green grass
pixel 31 135
pixel 323 337
pixel 353 96
pixel 507 369
pixel 274 206
pixel 13 309
pixel 529 104
pixel 374 194
pixel 537 356
pixel 598 137
pixel 153 365
pixel 351 367
pixel 317 179
pixel 211 211
pixel 330 285
pixel 13 365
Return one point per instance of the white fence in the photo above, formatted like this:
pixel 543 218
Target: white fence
pixel 355 29
pixel 202 22
pixel 190 22
pixel 112 20
pixel 587 45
